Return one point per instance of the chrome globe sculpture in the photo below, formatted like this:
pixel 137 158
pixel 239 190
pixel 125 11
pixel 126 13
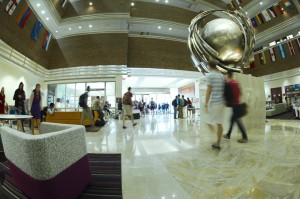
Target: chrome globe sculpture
pixel 229 40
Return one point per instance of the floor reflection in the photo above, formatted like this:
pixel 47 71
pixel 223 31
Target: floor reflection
pixel 167 158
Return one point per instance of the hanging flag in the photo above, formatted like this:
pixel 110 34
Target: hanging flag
pixel 232 5
pixel 266 15
pixel 64 3
pixel 262 58
pixel 272 11
pixel 282 51
pixel 260 17
pixel 46 40
pixel 279 8
pixel 11 6
pixel 24 16
pixel 36 30
pixel 252 64
pixel 287 3
pixel 298 43
pixel 291 47
pixel 253 21
pixel 272 54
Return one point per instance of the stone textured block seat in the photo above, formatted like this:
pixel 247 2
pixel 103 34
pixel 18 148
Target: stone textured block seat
pixel 51 165
pixel 276 110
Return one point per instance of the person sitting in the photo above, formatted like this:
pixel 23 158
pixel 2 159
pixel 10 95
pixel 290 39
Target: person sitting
pixel 106 108
pixel 51 109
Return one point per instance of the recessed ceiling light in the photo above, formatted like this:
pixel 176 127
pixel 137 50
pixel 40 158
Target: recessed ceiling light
pixel 38 4
pixel 246 13
pixel 132 4
pixel 170 28
pixel 157 0
pixel 43 11
pixel 47 18
pixel 166 1
pixel 282 9
pixel 91 3
pixel 90 25
pixel 70 28
pixel 159 27
pixel 261 3
pixel 56 31
pixel 79 27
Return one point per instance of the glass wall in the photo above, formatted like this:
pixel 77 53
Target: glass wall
pixel 66 96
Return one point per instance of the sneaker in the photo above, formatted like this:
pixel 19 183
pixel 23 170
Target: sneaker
pixel 216 146
pixel 124 127
pixel 243 140
pixel 226 136
pixel 134 124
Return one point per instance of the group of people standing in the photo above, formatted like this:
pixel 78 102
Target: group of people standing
pixel 179 103
pixel 34 105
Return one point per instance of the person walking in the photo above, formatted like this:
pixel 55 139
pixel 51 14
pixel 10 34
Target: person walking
pixel 236 108
pixel 174 104
pixel 35 107
pixel 127 107
pixel 86 111
pixel 214 100
pixel 19 98
pixel 2 101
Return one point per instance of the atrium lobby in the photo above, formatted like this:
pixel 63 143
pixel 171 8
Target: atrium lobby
pixel 110 45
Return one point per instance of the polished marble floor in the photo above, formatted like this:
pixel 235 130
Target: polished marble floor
pixel 163 158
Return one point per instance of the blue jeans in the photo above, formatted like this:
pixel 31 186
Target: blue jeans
pixel 234 118
pixel 175 112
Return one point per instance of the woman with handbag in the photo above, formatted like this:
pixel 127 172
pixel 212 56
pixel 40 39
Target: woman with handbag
pixel 238 109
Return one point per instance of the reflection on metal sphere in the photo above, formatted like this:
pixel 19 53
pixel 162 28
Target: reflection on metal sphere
pixel 229 41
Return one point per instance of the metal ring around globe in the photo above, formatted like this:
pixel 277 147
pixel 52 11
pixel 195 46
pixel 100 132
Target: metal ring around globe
pixel 202 52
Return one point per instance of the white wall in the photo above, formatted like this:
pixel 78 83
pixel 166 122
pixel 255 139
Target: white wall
pixel 10 78
pixel 280 83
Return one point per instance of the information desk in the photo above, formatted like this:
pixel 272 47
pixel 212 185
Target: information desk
pixel 11 117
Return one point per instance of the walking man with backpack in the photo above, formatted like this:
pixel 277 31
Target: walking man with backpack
pixel 86 111
pixel 127 107
pixel 234 102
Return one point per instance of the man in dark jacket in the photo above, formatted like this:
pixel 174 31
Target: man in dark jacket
pixel 174 104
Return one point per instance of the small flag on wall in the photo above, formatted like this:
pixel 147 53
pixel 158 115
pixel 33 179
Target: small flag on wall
pixel 11 6
pixel 46 40
pixel 287 3
pixel 282 51
pixel 279 8
pixel 272 54
pixel 298 43
pixel 258 19
pixel 232 5
pixel 291 47
pixel 36 30
pixel 24 16
pixel 262 58
pixel 266 15
pixel 254 22
pixel 272 11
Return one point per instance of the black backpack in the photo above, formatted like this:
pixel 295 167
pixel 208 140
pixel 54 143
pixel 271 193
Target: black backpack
pixel 174 102
pixel 228 94
pixel 81 100
pixel 185 102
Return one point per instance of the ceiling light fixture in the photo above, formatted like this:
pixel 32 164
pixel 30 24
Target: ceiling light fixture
pixel 47 18
pixel 90 25
pixel 157 0
pixel 166 1
pixel 38 4
pixel 43 11
pixel 159 27
pixel 132 4
pixel 170 29
pixel 70 28
pixel 79 27
pixel 261 3
pixel 246 13
pixel 56 31
pixel 91 3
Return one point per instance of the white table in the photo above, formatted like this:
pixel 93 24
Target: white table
pixel 11 117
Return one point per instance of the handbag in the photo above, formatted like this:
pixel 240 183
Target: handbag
pixel 242 110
